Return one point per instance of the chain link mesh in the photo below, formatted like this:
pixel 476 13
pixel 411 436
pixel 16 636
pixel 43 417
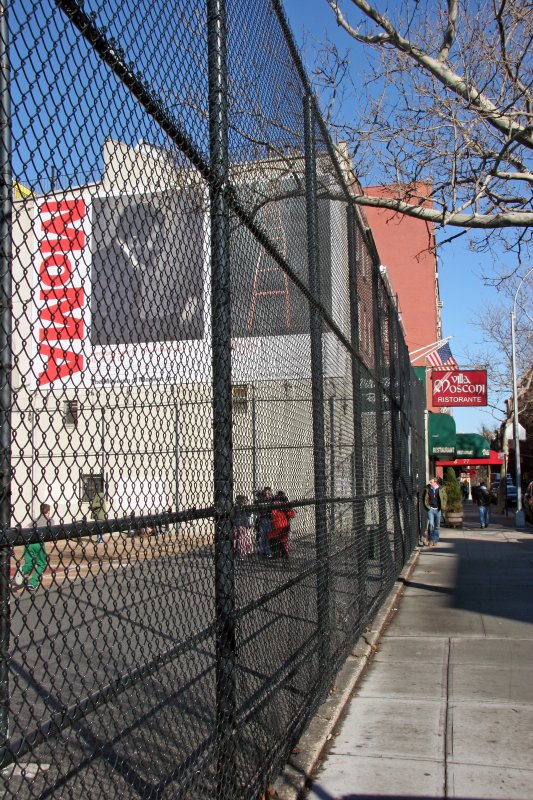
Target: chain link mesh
pixel 211 436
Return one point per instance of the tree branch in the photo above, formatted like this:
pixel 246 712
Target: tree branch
pixel 459 85
pixel 482 221
pixel 449 33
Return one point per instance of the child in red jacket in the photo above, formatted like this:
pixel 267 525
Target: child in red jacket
pixel 282 513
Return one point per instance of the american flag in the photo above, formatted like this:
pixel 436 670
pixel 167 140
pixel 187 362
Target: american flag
pixel 442 357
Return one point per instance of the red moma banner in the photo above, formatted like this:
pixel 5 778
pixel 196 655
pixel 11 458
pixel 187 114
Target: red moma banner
pixel 59 293
pixel 460 387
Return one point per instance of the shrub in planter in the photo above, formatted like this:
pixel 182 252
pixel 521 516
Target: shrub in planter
pixel 454 496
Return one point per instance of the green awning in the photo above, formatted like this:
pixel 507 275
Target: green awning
pixel 472 445
pixel 442 436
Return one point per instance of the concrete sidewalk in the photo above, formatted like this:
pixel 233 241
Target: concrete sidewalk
pixel 445 706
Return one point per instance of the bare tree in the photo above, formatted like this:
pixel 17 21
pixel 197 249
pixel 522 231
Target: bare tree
pixel 494 324
pixel 447 105
pixel 488 433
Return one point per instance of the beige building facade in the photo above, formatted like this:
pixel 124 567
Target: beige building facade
pixel 135 419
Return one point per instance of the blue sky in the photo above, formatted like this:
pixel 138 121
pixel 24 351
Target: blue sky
pixel 463 292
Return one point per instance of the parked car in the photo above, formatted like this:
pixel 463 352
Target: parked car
pixel 512 494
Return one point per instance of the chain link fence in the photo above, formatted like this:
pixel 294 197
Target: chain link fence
pixel 211 438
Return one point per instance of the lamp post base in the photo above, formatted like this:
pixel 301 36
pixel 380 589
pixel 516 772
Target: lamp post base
pixel 520 519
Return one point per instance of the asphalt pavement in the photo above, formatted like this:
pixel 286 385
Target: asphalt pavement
pixel 444 706
pixel 112 681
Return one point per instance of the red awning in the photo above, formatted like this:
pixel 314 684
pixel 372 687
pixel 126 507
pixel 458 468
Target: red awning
pixel 492 460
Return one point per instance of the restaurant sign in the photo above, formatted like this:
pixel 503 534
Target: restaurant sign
pixel 462 387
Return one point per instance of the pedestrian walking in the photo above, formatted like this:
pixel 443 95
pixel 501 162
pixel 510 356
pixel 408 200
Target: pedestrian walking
pixel 483 502
pixel 264 522
pixel 432 504
pixel 282 514
pixel 35 558
pixel 242 528
pixel 443 494
pixel 98 507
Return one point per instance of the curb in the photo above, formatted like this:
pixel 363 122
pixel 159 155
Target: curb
pixel 293 781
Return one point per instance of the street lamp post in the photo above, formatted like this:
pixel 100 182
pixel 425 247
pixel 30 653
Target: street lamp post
pixel 520 520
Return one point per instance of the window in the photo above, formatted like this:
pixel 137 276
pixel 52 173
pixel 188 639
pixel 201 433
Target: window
pixel 362 262
pixel 89 485
pixel 239 396
pixel 366 331
pixel 71 412
pixel 386 342
pixel 369 332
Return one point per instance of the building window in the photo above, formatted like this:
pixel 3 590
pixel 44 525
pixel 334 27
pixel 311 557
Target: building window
pixel 91 484
pixel 366 331
pixel 239 396
pixel 386 341
pixel 71 412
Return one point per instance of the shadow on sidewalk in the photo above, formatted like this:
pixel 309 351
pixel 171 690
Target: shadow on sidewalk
pixel 493 576
pixel 320 794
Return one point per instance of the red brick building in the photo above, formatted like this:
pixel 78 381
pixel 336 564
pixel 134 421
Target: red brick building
pixel 406 248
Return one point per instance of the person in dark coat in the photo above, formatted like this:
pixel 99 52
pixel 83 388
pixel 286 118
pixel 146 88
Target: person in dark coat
pixel 483 501
pixel 433 506
pixel 264 522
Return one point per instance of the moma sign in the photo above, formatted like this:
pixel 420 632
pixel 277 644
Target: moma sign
pixel 121 291
pixel 466 387
pixel 60 292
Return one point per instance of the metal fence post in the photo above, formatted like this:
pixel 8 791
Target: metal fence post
pixel 317 387
pixel 379 376
pixel 255 484
pixel 6 189
pixel 413 406
pixel 410 441
pixel 358 506
pixel 396 439
pixel 331 403
pixel 222 406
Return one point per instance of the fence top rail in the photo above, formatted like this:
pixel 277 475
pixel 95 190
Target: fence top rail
pixel 82 528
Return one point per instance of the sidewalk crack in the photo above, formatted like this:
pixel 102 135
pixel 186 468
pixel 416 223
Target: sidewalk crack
pixel 448 723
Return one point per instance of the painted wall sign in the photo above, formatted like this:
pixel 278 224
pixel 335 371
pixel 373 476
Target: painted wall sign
pixel 60 292
pixel 121 292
